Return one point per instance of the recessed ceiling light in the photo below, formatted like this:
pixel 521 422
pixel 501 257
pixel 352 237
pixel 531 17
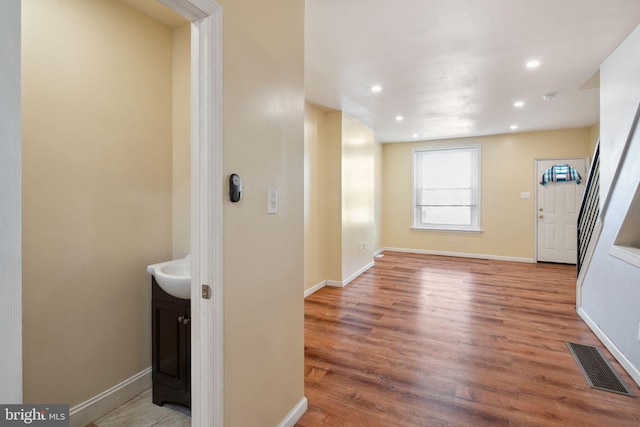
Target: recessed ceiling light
pixel 399 118
pixel 549 96
pixel 415 135
pixel 513 127
pixel 534 63
pixel 376 89
pixel 518 104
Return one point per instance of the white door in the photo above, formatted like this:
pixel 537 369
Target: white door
pixel 557 209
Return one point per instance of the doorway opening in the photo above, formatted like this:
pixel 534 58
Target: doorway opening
pixel 206 208
pixel 206 203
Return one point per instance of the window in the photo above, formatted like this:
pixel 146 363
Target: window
pixel 446 189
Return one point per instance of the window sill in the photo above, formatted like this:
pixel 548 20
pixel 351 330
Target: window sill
pixel 449 229
pixel 626 253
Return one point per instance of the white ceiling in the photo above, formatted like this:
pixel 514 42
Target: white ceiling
pixel 157 11
pixel 454 68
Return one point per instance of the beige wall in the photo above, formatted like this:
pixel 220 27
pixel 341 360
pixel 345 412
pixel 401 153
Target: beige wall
pixel 357 196
pixel 377 195
pixel 263 254
pixel 97 188
pixel 96 117
pixel 332 176
pixel 181 133
pixel 340 157
pixel 98 198
pixel 507 170
pixel 314 197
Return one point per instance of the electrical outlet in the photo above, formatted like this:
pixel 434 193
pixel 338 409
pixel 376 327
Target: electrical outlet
pixel 452 240
pixel 638 331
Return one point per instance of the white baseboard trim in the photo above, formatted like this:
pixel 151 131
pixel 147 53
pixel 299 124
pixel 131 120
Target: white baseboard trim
pixel 315 288
pixel 357 273
pixel 335 284
pixel 613 349
pixel 86 412
pixel 351 278
pixel 296 413
pixel 460 254
pixel 378 252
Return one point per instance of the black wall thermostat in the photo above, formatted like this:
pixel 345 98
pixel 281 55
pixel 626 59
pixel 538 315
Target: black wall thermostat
pixel 235 187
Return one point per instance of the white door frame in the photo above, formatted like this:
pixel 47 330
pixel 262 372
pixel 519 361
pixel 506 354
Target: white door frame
pixel 536 184
pixel 206 209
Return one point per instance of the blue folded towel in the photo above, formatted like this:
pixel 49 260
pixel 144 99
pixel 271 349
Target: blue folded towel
pixel 560 173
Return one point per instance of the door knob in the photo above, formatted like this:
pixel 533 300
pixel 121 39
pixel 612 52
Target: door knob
pixel 186 320
pixel 180 319
pixel 540 216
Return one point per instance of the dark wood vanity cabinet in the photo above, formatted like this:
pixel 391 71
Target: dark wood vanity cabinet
pixel 171 346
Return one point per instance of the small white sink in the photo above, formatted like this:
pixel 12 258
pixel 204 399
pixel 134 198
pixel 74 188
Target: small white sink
pixel 174 277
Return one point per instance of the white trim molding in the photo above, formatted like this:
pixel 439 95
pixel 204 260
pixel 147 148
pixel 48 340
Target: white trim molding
pixel 461 255
pixel 92 409
pixel 335 284
pixel 357 273
pixel 628 254
pixel 315 288
pixel 351 278
pixel 296 413
pixel 613 349
pixel 207 343
pixel 207 366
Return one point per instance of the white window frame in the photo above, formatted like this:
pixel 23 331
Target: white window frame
pixel 475 225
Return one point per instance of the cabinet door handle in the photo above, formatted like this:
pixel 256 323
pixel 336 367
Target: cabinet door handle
pixel 180 319
pixel 186 320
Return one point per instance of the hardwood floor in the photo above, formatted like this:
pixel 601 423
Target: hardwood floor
pixel 438 341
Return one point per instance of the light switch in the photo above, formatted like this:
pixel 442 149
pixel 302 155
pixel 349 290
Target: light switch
pixel 272 201
pixel 525 195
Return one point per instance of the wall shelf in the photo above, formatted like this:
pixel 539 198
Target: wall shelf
pixel 627 254
pixel 627 244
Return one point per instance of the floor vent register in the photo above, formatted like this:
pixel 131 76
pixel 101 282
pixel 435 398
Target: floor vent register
pixel 597 370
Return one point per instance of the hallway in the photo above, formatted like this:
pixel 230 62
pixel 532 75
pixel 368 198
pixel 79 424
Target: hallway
pixel 442 341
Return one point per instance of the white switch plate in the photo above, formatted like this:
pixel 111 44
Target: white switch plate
pixel 272 201
pixel 525 195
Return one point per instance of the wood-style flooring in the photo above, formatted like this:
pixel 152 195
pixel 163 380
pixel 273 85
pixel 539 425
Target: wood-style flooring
pixel 424 340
